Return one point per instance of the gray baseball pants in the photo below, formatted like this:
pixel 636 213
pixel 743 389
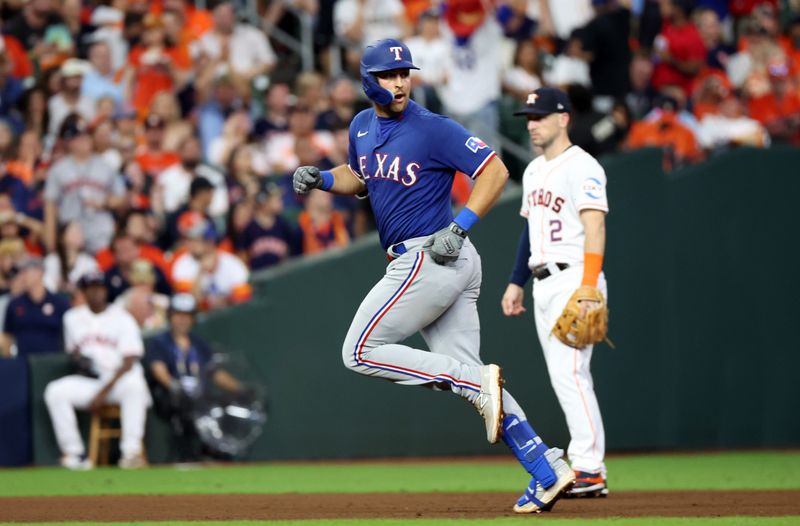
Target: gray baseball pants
pixel 439 301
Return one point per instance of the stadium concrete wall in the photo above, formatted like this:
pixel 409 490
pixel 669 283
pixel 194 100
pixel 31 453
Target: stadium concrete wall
pixel 700 283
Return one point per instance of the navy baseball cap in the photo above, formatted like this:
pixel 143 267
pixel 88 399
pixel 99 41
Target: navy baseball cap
pixel 545 101
pixel 73 126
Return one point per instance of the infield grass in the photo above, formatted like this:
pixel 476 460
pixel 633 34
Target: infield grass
pixel 714 471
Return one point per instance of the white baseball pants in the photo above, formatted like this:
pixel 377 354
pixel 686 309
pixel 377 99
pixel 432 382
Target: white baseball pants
pixel 569 370
pixel 65 395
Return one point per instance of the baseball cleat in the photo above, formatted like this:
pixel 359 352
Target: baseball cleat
pixel 132 462
pixel 489 402
pixel 589 485
pixel 536 498
pixel 76 462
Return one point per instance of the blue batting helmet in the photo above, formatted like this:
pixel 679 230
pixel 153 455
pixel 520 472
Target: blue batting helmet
pixel 383 55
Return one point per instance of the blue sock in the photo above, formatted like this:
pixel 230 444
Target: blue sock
pixel 529 449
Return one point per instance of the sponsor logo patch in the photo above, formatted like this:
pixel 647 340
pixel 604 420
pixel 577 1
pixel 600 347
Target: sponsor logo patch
pixel 593 188
pixel 474 144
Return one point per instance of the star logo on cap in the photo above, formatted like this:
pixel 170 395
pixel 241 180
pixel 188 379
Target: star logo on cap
pixel 532 98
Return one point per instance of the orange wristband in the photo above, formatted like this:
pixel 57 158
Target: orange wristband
pixel 592 265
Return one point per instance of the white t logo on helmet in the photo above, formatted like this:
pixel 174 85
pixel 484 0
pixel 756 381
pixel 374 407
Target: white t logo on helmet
pixel 396 50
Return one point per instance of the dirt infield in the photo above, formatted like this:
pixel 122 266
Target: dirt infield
pixel 390 505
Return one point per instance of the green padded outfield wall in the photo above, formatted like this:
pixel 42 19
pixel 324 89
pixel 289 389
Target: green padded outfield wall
pixel 700 271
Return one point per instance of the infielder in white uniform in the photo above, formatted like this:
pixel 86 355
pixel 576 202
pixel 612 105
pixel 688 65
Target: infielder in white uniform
pixel 562 245
pixel 106 342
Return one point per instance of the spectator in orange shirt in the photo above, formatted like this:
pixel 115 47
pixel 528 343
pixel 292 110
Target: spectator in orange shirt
pixel 322 227
pixel 27 158
pixel 176 37
pixel 711 89
pixel 667 132
pixel 158 67
pixel 176 129
pixel 152 157
pixel 139 226
pixel 21 66
pixel 767 16
pixel 779 109
pixel 215 278
pixel 730 127
pixel 195 22
pixel 118 277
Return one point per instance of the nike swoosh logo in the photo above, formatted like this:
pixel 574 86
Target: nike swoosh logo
pixel 362 133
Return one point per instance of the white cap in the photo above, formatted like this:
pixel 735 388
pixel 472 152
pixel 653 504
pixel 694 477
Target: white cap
pixel 183 302
pixel 103 15
pixel 73 67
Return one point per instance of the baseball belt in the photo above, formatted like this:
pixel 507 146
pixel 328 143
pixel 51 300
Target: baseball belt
pixel 545 270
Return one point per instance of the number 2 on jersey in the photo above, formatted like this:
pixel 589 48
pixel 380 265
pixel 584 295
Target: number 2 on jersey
pixel 555 228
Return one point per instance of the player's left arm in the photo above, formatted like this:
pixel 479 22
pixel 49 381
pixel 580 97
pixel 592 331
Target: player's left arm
pixel 445 244
pixel 594 226
pixel 488 187
pixel 594 245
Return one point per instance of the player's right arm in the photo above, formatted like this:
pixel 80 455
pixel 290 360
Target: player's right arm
pixel 340 180
pixel 512 302
pixel 345 182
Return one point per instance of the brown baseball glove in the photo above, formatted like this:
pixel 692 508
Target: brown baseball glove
pixel 583 324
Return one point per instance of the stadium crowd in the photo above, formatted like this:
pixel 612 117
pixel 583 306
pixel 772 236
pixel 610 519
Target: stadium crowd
pixel 155 140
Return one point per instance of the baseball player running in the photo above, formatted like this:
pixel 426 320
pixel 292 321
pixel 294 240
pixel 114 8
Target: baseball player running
pixel 404 158
pixel 107 343
pixel 562 244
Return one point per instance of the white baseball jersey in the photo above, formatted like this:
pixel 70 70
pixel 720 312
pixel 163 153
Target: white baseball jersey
pixel 107 337
pixel 554 193
pixel 228 279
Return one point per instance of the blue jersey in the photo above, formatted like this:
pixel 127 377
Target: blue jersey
pixel 408 166
pixel 36 327
pixel 268 246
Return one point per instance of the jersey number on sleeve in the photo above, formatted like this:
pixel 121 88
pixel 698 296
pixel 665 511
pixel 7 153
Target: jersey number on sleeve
pixel 555 228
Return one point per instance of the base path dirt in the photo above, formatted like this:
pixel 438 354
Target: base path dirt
pixel 390 505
